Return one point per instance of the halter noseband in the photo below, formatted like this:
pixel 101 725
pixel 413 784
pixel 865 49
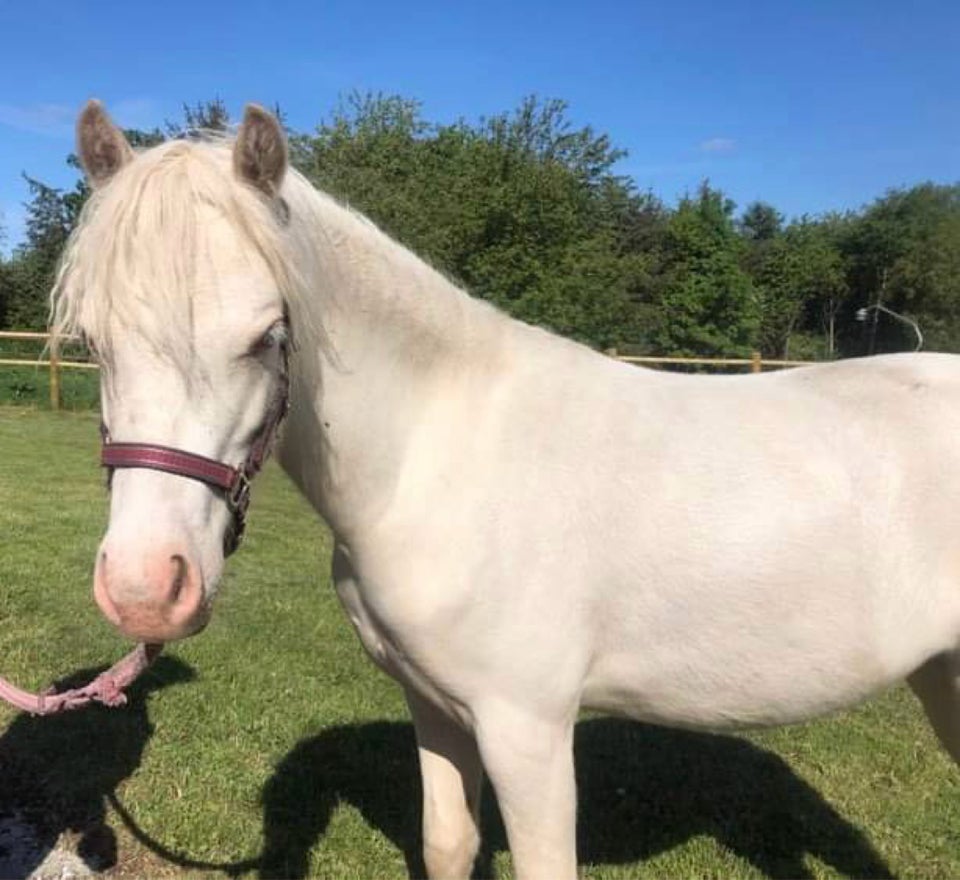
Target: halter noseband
pixel 234 482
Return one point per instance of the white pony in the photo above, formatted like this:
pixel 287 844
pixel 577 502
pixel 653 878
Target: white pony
pixel 523 527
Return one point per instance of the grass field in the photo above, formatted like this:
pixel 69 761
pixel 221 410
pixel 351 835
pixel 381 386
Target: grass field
pixel 270 742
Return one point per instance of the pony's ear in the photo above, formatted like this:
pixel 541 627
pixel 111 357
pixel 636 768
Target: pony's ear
pixel 102 148
pixel 260 151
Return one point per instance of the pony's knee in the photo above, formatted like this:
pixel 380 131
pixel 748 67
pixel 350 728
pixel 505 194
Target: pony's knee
pixel 450 852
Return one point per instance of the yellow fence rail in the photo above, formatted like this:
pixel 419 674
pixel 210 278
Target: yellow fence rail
pixel 52 361
pixel 755 362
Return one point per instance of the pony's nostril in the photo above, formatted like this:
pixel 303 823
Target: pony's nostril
pixel 179 578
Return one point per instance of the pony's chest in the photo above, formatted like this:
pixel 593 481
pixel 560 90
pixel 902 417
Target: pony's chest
pixel 371 632
pixel 396 653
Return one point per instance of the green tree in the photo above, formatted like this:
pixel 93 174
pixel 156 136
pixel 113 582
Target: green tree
pixel 27 277
pixel 24 283
pixel 800 280
pixel 760 222
pixel 206 116
pixel 705 302
pixel 904 254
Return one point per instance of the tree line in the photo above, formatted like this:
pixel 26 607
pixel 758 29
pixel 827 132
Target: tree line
pixel 527 211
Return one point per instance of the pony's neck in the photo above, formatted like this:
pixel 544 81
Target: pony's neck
pixel 380 335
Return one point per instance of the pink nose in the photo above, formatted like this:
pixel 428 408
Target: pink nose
pixel 163 604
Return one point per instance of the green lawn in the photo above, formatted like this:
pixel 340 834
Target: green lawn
pixel 271 740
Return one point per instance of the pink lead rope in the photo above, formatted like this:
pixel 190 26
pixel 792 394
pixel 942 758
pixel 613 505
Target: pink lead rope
pixel 106 688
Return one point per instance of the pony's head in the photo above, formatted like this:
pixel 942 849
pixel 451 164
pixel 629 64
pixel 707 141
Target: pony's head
pixel 178 277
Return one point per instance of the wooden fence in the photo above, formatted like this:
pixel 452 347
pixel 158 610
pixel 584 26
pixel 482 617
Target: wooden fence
pixel 755 362
pixel 53 362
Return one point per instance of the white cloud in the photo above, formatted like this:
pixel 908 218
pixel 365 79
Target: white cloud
pixel 50 120
pixel 718 145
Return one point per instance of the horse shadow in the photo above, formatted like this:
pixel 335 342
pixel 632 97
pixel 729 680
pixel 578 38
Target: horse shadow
pixel 643 790
pixel 58 771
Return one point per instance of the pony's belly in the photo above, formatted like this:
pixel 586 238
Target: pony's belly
pixel 725 693
pixel 718 714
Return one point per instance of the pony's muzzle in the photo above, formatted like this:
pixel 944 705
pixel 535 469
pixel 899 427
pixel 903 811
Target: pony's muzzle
pixel 161 602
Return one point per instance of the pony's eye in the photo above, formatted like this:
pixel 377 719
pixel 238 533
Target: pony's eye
pixel 275 337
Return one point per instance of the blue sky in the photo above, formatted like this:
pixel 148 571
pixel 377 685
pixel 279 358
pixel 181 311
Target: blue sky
pixel 813 106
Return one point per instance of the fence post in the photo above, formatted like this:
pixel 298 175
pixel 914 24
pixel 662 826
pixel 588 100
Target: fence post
pixel 54 375
pixel 756 364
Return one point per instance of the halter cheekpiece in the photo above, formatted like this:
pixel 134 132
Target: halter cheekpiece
pixel 233 482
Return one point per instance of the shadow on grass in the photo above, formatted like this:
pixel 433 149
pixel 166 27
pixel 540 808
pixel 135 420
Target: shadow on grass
pixel 643 790
pixel 57 772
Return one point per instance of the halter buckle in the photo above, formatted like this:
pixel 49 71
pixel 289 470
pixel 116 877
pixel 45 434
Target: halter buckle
pixel 238 498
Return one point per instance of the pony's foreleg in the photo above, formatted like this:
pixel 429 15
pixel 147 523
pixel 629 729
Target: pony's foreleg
pixel 937 684
pixel 530 762
pixel 452 781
